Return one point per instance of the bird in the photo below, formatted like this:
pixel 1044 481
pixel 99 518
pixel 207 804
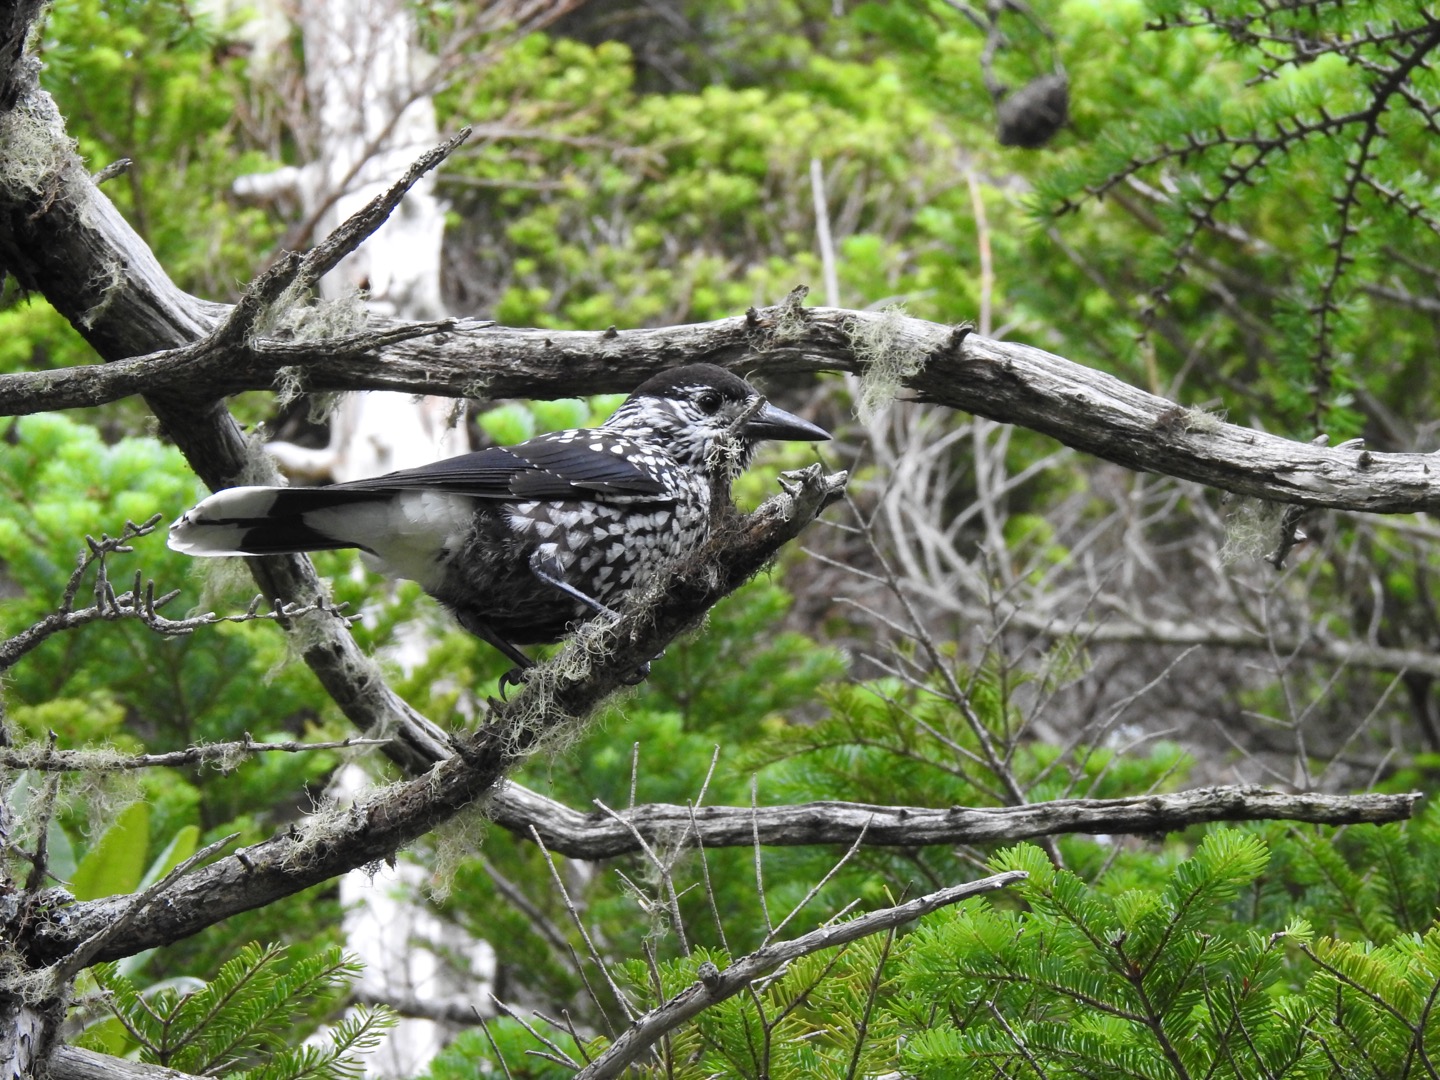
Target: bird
pixel 521 543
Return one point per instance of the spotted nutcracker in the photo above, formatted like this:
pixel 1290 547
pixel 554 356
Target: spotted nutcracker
pixel 520 542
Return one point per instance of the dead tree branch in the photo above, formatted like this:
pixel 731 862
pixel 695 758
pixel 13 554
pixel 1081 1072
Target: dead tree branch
pixel 140 603
pixel 73 1063
pixel 221 755
pixel 1005 381
pixel 1135 628
pixel 600 835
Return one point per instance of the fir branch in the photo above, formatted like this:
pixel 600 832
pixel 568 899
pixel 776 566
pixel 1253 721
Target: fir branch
pixel 1221 156
pixel 715 986
pixel 1346 204
pixel 357 1033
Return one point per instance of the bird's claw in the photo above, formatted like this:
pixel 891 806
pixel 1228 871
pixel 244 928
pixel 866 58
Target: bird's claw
pixel 516 676
pixel 639 675
pixel 519 676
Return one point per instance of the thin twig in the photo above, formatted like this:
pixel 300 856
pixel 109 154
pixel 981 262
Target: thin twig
pixel 64 970
pixel 46 759
pixel 716 986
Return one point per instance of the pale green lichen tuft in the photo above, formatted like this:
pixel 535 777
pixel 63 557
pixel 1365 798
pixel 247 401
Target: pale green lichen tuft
pixel 110 282
pixel 1202 421
pixel 727 451
pixel 536 724
pixel 260 468
pixel 36 151
pixel 329 824
pixel 1251 530
pixel 454 841
pixel 887 359
pixel 104 796
pixel 226 757
pixel 323 405
pixel 223 583
pixel 289 385
pixel 791 323
pixel 294 316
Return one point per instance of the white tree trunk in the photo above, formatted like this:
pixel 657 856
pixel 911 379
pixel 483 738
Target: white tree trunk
pixel 363 79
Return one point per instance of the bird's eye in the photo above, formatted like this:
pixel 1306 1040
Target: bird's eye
pixel 709 401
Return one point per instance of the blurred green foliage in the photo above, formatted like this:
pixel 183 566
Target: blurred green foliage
pixel 623 183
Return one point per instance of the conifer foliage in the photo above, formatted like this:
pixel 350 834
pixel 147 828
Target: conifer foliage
pixel 1318 75
pixel 1161 983
pixel 240 1024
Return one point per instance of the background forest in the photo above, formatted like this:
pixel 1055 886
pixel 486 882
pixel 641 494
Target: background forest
pixel 1238 214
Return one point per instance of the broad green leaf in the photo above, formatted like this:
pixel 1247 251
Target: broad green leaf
pixel 182 845
pixel 115 864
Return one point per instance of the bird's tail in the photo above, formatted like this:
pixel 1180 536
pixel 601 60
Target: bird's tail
pixel 275 521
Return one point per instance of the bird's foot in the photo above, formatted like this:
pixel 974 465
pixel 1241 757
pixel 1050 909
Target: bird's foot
pixel 636 677
pixel 516 676
pixel 519 676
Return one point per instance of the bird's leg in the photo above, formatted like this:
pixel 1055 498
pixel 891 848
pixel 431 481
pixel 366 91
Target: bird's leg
pixel 545 566
pixel 516 675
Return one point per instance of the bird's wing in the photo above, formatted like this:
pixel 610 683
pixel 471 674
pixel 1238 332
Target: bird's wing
pixel 591 461
pixel 563 464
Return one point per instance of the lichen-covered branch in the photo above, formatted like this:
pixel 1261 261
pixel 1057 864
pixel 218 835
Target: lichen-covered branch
pixel 556 699
pixel 220 755
pixel 1005 381
pixel 598 835
pixel 140 603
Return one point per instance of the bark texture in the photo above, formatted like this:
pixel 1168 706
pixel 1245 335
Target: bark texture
pixel 599 835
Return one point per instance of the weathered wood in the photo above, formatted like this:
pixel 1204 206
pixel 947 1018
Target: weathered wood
pixel 73 1063
pixel 597 835
pixel 1005 381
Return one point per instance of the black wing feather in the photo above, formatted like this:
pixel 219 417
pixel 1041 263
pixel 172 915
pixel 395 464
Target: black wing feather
pixel 557 465
pixel 566 464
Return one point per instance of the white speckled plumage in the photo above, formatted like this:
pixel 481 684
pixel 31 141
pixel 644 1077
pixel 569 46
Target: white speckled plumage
pixel 602 510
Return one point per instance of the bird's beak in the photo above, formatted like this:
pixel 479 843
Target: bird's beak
pixel 773 423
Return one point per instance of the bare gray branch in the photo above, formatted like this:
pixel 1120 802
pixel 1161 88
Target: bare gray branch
pixel 607 835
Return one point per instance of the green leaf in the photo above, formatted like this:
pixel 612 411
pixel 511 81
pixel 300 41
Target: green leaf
pixel 182 845
pixel 116 864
